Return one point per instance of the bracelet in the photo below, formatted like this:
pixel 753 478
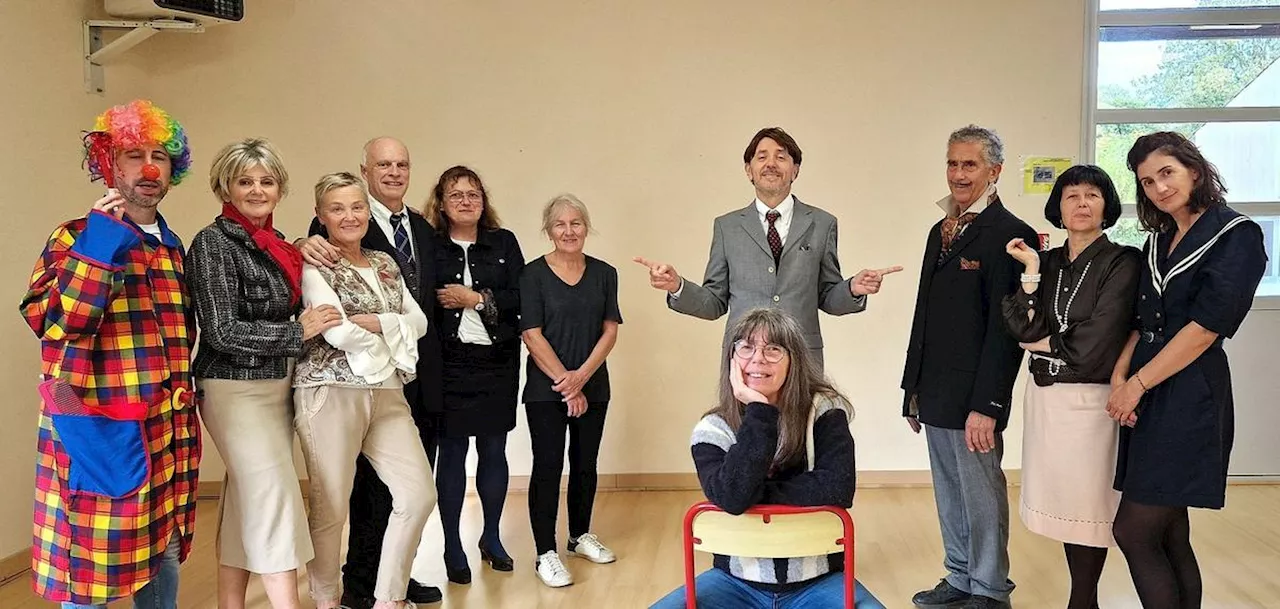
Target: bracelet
pixel 1140 383
pixel 1031 278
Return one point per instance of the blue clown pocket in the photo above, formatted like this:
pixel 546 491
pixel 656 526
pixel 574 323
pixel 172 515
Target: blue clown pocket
pixel 105 445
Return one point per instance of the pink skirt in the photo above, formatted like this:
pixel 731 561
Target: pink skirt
pixel 1069 463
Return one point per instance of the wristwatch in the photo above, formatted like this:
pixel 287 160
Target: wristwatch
pixel 480 305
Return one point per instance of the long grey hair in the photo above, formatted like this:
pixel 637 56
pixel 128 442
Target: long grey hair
pixel 804 381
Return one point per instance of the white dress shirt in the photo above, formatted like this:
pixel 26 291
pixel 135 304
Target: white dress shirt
pixel 783 224
pixel 382 217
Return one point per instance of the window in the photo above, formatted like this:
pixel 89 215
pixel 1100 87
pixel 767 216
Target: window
pixel 1115 5
pixel 1209 69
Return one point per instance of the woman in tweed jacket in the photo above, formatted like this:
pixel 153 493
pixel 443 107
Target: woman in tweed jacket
pixel 245 281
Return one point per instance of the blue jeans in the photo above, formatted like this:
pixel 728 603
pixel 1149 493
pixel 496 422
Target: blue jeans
pixel 719 590
pixel 159 593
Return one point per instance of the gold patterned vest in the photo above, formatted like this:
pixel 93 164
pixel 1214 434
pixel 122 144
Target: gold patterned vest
pixel 324 364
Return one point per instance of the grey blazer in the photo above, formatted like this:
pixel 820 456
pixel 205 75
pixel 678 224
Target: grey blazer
pixel 741 275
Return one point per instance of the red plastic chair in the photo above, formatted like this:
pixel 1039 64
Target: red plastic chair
pixel 768 531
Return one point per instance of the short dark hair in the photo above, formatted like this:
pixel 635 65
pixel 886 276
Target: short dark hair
pixel 1084 174
pixel 1209 190
pixel 778 135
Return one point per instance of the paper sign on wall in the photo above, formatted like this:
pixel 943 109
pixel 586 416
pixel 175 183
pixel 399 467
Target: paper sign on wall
pixel 1040 172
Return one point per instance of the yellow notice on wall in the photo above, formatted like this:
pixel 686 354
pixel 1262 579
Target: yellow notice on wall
pixel 1040 172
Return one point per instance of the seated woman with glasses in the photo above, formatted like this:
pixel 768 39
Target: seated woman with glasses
pixel 754 447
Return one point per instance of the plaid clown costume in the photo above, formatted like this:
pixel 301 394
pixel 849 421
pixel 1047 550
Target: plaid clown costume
pixel 119 441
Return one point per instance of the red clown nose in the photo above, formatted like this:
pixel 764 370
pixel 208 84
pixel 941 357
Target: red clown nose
pixel 150 172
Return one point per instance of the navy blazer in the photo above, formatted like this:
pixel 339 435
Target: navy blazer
pixel 961 358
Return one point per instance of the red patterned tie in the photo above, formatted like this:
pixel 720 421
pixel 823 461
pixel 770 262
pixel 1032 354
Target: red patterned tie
pixel 775 241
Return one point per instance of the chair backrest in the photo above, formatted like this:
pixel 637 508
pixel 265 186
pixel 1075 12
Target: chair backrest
pixel 769 532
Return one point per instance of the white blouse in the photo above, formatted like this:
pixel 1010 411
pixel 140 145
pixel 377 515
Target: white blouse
pixel 375 357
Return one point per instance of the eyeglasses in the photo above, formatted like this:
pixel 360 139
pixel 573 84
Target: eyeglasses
pixel 773 353
pixel 457 196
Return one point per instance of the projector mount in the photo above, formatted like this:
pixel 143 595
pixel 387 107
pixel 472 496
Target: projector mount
pixel 98 54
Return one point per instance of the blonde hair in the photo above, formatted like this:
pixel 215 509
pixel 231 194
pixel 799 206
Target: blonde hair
pixel 333 181
pixel 560 201
pixel 238 157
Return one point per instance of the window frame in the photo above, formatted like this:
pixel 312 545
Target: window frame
pixel 1096 19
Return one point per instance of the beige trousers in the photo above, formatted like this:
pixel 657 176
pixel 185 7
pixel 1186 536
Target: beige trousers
pixel 262 523
pixel 336 425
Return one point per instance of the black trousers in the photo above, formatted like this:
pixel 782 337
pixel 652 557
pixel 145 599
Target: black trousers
pixel 370 510
pixel 548 422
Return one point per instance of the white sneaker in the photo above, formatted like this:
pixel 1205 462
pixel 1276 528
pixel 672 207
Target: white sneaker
pixel 552 572
pixel 589 547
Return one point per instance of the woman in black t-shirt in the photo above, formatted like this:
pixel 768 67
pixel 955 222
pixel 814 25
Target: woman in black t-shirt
pixel 569 321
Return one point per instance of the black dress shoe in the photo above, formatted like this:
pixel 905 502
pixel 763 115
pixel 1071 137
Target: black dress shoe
pixel 422 593
pixel 942 596
pixel 497 563
pixel 458 576
pixel 978 601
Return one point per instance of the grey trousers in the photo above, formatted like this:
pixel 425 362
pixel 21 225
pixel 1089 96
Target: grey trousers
pixel 973 509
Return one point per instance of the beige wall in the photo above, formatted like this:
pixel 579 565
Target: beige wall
pixel 44 108
pixel 642 110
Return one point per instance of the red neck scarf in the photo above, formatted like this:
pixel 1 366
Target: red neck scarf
pixel 285 256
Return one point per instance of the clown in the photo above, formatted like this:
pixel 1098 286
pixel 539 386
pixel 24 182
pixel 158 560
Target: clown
pixel 119 442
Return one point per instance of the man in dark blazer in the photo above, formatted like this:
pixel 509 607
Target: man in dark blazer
pixel 404 233
pixel 775 252
pixel 961 365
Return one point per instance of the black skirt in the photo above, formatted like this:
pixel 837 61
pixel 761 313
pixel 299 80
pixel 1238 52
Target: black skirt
pixel 481 385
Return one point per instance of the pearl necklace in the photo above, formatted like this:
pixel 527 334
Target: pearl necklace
pixel 1055 366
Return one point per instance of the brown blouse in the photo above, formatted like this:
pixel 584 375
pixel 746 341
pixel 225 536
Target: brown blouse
pixel 1084 306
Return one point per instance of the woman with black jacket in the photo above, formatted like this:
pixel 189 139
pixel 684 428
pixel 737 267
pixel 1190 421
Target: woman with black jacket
pixel 478 265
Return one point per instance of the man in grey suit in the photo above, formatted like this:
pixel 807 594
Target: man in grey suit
pixel 776 252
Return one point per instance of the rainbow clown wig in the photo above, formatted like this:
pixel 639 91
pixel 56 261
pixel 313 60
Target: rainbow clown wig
pixel 136 123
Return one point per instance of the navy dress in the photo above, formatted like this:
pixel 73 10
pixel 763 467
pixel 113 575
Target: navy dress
pixel 1177 453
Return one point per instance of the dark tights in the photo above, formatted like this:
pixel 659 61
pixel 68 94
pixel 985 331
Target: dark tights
pixel 1085 564
pixel 491 486
pixel 1156 540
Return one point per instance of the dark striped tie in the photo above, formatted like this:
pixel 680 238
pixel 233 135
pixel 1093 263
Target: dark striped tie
pixel 401 224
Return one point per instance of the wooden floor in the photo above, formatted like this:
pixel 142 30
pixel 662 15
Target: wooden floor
pixel 899 552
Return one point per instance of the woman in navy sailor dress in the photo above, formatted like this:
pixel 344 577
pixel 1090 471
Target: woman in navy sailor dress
pixel 1172 387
